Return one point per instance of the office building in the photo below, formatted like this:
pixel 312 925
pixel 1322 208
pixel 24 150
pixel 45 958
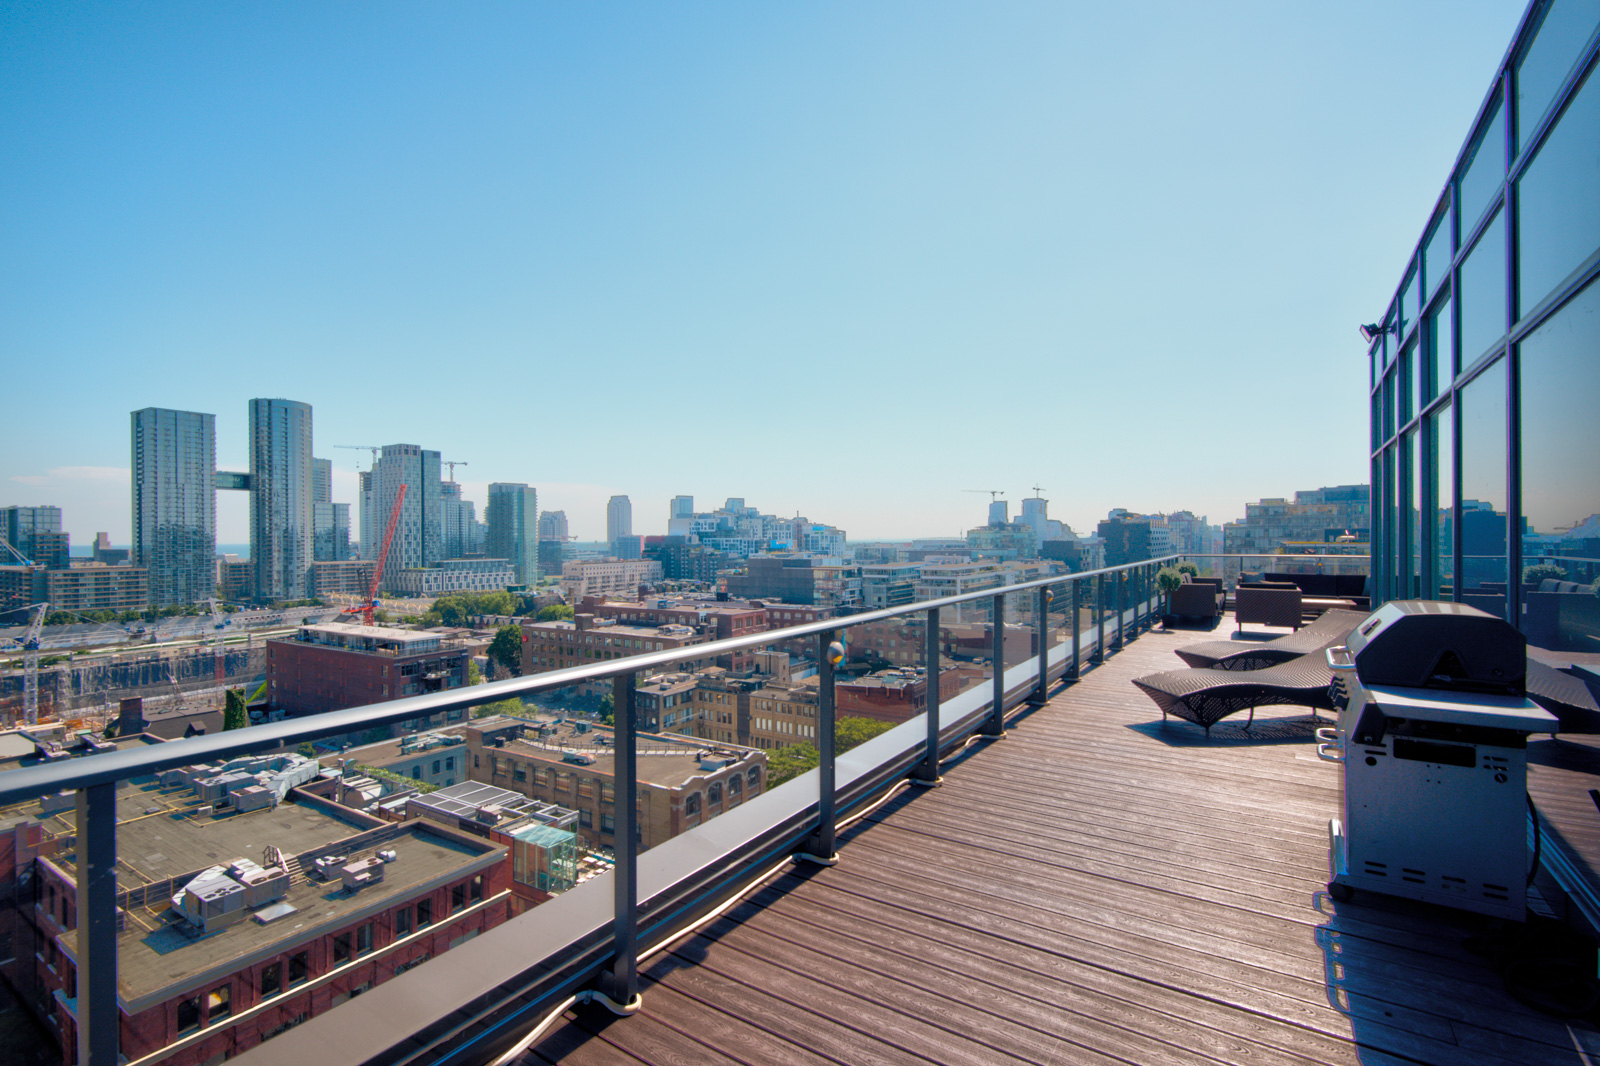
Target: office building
pixel 105 553
pixel 460 522
pixel 477 574
pixel 330 522
pixel 607 577
pixel 339 577
pixel 513 518
pixel 367 512
pixel 19 526
pixel 1316 516
pixel 682 507
pixel 553 525
pixel 281 497
pixel 796 578
pixel 91 586
pixel 322 480
pixel 1483 376
pixel 619 518
pixel 174 502
pixel 419 533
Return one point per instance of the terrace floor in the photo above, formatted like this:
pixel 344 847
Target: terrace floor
pixel 1097 887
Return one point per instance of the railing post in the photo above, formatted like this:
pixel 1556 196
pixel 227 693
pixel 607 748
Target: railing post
pixel 927 771
pixel 1120 579
pixel 995 726
pixel 1099 655
pixel 1042 630
pixel 1077 631
pixel 622 985
pixel 822 847
pixel 97 925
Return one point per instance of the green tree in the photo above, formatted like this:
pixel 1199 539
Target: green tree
pixel 234 713
pixel 1534 573
pixel 788 763
pixel 851 731
pixel 308 749
pixel 608 710
pixel 511 707
pixel 555 612
pixel 506 649
pixel 1186 567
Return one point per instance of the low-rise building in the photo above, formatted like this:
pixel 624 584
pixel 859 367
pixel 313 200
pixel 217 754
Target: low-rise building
pixel 611 578
pixel 716 620
pixel 340 577
pixel 335 665
pixel 457 575
pixel 88 586
pixel 586 639
pixel 886 585
pixel 795 577
pixel 681 782
pixel 245 916
pixel 784 713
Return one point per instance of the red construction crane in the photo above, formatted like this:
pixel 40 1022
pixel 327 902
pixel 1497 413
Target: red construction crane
pixel 365 609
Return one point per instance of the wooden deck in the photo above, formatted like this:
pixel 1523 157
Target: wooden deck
pixel 1097 887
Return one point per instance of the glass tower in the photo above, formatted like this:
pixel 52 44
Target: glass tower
pixel 1485 369
pixel 419 534
pixel 282 494
pixel 513 516
pixel 175 502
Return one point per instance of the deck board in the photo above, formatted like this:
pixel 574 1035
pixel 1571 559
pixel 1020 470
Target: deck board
pixel 1097 887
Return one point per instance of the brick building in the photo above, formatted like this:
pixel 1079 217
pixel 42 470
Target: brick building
pixel 232 934
pixel 336 665
pixel 682 782
pixel 550 646
pixel 716 620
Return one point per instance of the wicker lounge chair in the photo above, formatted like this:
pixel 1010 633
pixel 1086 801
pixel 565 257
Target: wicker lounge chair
pixel 1565 696
pixel 1330 629
pixel 1205 697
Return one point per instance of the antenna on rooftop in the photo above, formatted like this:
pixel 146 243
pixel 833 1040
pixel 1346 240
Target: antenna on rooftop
pixel 1038 490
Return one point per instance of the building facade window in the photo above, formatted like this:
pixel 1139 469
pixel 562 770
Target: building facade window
pixel 271 979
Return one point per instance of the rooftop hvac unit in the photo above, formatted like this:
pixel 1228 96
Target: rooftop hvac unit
pixel 361 873
pixel 1432 740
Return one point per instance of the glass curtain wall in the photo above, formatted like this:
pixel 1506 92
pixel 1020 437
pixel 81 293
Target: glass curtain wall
pixel 1485 389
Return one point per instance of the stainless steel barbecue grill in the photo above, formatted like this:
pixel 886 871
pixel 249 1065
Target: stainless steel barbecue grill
pixel 1432 739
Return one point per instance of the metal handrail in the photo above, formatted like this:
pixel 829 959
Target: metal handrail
pixel 35 781
pixel 95 778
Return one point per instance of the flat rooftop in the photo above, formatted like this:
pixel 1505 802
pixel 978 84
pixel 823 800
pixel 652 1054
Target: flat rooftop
pixel 153 954
pixel 378 633
pixel 159 835
pixel 662 762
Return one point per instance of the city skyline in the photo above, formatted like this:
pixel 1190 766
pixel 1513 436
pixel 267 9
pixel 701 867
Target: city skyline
pixel 863 196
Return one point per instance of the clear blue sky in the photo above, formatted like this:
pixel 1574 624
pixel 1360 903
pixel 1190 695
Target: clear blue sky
pixel 841 259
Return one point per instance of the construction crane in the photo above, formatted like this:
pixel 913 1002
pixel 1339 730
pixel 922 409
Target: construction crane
pixel 994 494
pixel 453 463
pixel 1038 491
pixel 366 608
pixel 373 448
pixel 30 662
